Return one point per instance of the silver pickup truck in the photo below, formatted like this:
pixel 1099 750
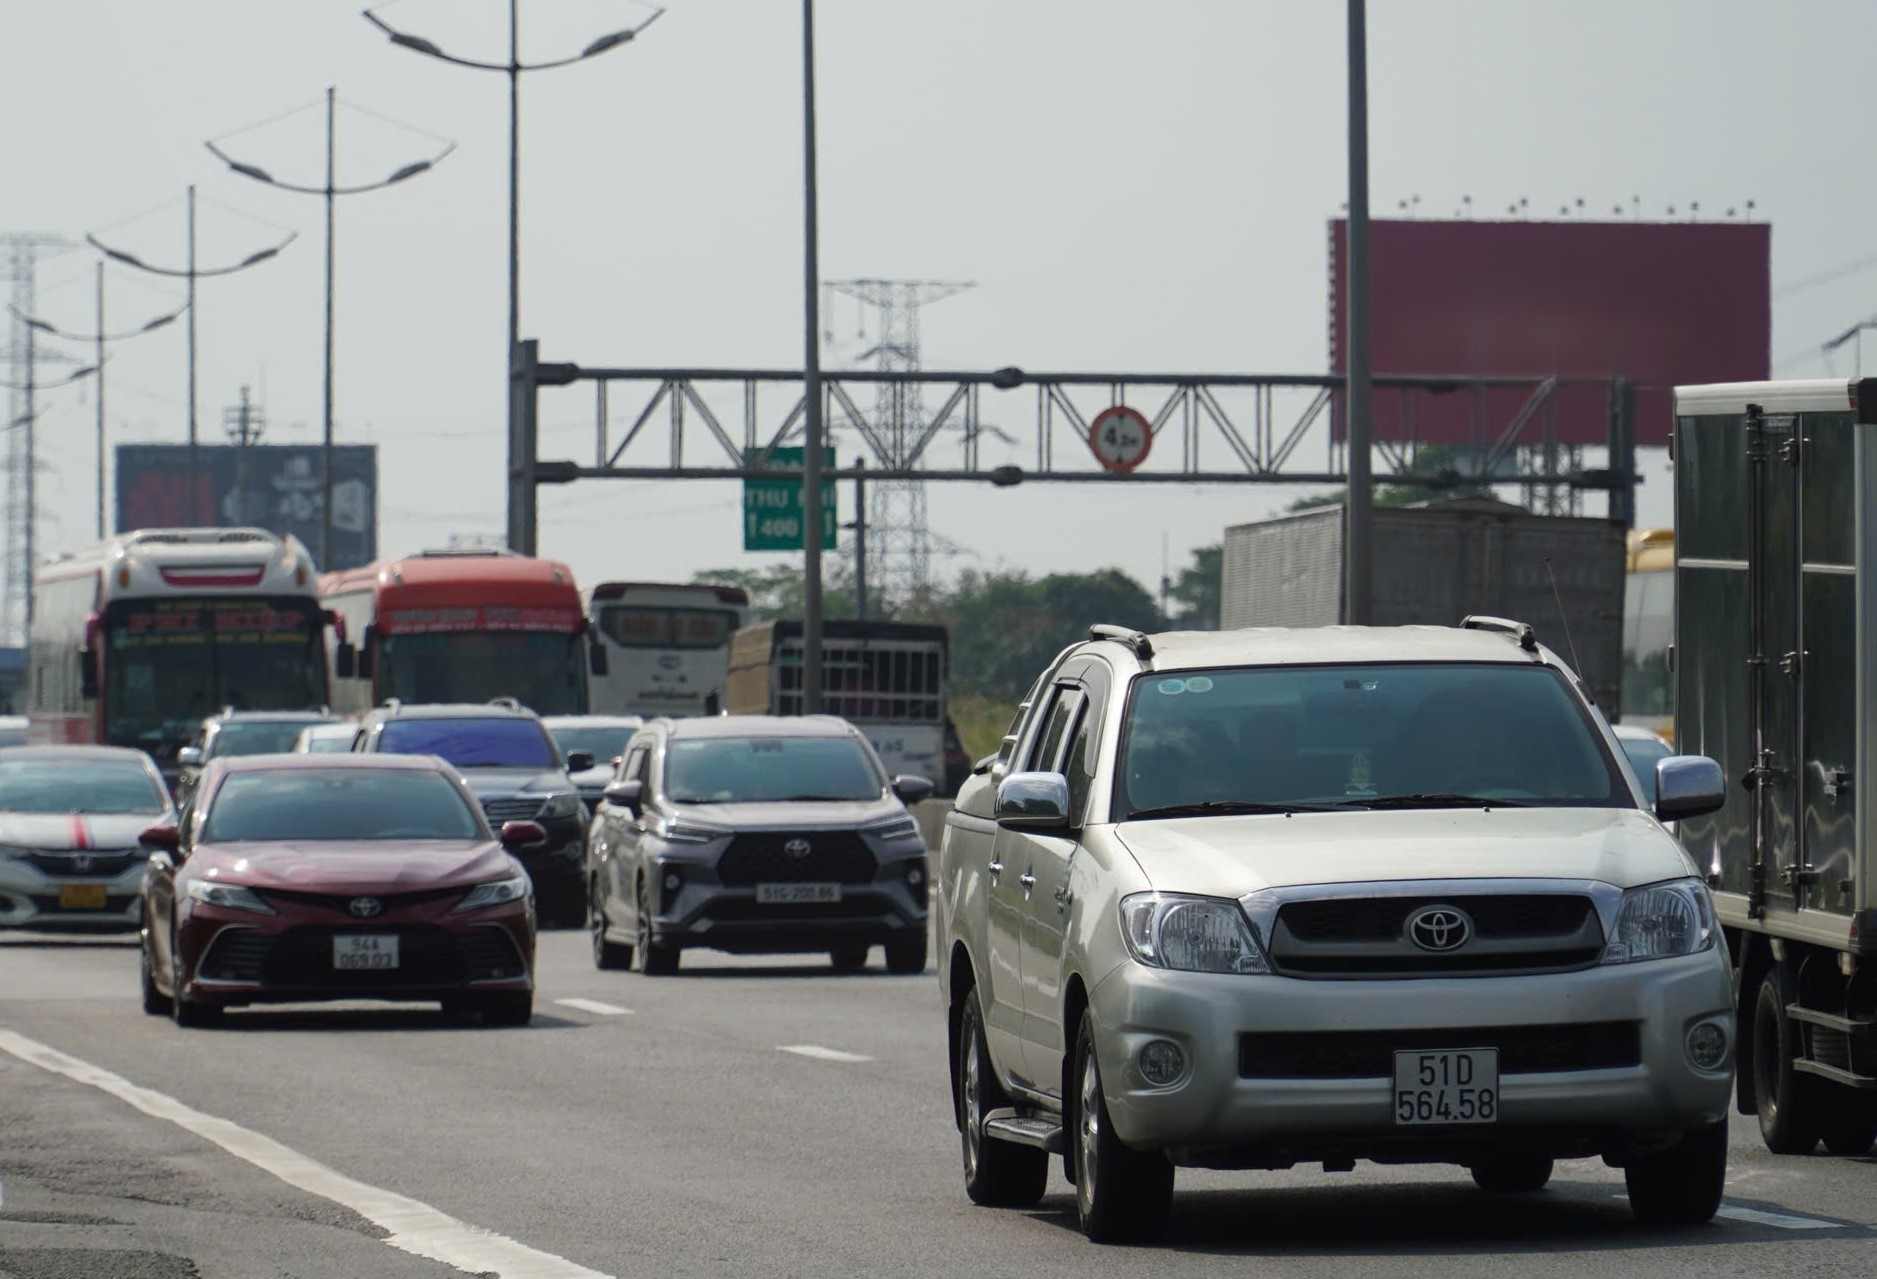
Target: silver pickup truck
pixel 1250 899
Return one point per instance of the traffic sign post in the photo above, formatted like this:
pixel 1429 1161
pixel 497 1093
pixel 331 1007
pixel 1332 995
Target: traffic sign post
pixel 1120 438
pixel 772 508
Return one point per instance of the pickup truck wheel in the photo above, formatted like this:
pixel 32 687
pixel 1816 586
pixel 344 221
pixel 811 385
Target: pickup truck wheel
pixel 1853 1137
pixel 1513 1174
pixel 906 956
pixel 998 1174
pixel 1786 1101
pixel 1121 1195
pixel 609 955
pixel 1682 1186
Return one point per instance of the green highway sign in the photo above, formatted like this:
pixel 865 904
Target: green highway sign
pixel 772 509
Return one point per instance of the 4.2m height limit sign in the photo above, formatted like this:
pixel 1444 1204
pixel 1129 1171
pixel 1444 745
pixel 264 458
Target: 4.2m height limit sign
pixel 772 508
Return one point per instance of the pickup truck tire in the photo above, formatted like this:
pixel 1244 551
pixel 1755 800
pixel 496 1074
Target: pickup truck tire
pixel 1682 1186
pixel 1121 1195
pixel 906 956
pixel 998 1174
pixel 1513 1174
pixel 607 955
pixel 1787 1102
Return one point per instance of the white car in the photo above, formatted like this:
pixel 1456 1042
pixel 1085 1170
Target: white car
pixel 326 739
pixel 70 817
pixel 1251 899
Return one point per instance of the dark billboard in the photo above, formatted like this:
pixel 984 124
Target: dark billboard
pixel 271 486
pixel 1658 303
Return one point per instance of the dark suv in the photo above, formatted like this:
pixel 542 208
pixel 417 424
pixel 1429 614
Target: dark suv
pixel 516 772
pixel 236 732
pixel 754 835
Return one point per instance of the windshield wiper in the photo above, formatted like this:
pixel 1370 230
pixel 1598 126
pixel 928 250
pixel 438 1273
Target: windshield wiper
pixel 1228 807
pixel 1438 799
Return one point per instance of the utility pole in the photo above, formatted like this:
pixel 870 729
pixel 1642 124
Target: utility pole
pixel 860 540
pixel 32 466
pixel 811 384
pixel 325 400
pixel 98 362
pixel 1358 535
pixel 190 304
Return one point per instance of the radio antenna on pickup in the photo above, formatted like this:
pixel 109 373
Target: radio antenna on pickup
pixel 1569 643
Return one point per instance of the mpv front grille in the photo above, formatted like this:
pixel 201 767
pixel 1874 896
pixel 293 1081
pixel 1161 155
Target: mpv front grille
pixel 777 857
pixel 514 808
pixel 1512 933
pixel 1370 1054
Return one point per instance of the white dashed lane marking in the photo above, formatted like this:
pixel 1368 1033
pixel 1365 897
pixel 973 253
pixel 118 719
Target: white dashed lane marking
pixel 1778 1220
pixel 819 1053
pixel 595 1007
pixel 412 1226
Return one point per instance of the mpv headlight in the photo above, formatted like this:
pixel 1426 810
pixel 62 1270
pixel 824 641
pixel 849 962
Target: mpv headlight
pixel 676 832
pixel 497 892
pixel 1192 934
pixel 1661 921
pixel 230 896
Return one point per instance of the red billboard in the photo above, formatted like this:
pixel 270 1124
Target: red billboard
pixel 1657 303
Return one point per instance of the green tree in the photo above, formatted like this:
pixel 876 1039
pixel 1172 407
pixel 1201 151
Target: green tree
pixel 1453 464
pixel 1007 626
pixel 1196 591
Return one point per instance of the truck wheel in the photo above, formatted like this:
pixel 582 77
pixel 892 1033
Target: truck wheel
pixel 654 960
pixel 608 955
pixel 1513 1174
pixel 1680 1187
pixel 1121 1195
pixel 1788 1115
pixel 907 955
pixel 998 1174
pixel 1853 1137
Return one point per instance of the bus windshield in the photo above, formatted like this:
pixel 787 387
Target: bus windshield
pixel 543 670
pixel 171 662
pixel 1648 630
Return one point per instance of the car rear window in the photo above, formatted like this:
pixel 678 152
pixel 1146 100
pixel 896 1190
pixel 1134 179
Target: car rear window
pixel 338 804
pixel 261 737
pixel 78 786
pixel 473 743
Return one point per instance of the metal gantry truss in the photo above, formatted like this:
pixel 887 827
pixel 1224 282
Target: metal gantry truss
pixel 723 424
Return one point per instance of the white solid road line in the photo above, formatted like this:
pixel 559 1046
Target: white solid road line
pixel 1778 1220
pixel 414 1227
pixel 819 1053
pixel 595 1006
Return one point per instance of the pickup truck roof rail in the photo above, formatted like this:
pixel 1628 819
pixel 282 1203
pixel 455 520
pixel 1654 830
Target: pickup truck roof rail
pixel 1520 631
pixel 1127 635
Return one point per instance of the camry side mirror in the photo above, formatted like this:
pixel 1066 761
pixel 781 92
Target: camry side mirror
pixel 519 836
pixel 189 757
pixel 579 761
pixel 1688 786
pixel 163 835
pixel 628 795
pixel 911 788
pixel 1033 801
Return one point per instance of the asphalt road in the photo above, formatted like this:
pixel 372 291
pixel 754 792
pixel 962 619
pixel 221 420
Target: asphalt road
pixel 740 1119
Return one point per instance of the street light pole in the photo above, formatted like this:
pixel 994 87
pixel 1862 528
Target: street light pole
pixel 514 187
pixel 1358 544
pixel 190 306
pixel 811 383
pixel 98 363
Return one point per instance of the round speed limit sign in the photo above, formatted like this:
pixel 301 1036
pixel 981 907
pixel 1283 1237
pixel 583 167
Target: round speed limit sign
pixel 1120 438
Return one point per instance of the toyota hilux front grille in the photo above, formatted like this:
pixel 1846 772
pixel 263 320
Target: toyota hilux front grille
pixel 1372 937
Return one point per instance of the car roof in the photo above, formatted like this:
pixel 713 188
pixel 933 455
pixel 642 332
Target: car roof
pixel 74 753
pixel 761 726
pixel 274 717
pixel 265 763
pixel 593 721
pixel 332 728
pixel 1322 645
pixel 453 710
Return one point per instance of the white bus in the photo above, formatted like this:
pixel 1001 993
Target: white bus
pixel 667 646
pixel 135 641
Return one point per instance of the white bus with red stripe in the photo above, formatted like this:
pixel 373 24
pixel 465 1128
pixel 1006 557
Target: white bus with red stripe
pixel 135 641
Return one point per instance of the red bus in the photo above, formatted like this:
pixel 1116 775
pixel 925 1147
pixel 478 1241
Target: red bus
pixel 461 626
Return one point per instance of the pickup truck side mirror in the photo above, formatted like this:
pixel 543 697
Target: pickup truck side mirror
pixel 1033 801
pixel 629 795
pixel 1688 786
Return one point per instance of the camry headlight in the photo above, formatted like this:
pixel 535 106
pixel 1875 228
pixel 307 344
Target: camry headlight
pixel 566 804
pixel 497 892
pixel 231 896
pixel 1193 934
pixel 1661 921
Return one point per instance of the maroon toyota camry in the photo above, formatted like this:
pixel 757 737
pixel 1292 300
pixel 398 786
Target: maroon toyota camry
pixel 313 877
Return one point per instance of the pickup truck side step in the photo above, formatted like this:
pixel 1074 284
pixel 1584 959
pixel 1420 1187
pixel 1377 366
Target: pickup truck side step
pixel 1025 1130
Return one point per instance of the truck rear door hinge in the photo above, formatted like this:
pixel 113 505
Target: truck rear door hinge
pixel 1799 876
pixel 1789 663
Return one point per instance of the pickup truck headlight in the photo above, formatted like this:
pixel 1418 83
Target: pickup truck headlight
pixel 1192 934
pixel 1661 921
pixel 566 804
pixel 498 892
pixel 228 896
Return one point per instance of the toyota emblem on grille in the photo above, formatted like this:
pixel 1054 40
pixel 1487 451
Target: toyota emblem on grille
pixel 365 907
pixel 1439 928
pixel 797 849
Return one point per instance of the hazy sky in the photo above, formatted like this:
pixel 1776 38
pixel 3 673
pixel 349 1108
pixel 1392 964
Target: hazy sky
pixel 1131 185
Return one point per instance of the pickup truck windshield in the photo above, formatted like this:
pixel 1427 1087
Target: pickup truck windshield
pixel 1298 738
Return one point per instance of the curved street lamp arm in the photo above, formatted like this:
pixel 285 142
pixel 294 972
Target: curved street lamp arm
pixel 262 175
pixel 200 273
pixel 148 327
pixel 74 376
pixel 417 44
